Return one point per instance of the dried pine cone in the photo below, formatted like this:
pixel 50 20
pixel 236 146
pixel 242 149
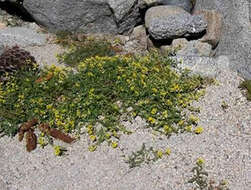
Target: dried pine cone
pixel 15 58
pixel 31 140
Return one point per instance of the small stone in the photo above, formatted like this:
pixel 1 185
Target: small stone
pixel 183 47
pixel 204 49
pixel 166 49
pixel 180 43
pixel 2 26
pixel 139 34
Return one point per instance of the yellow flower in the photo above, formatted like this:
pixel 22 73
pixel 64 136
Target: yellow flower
pixel 156 69
pixel 181 122
pixel 49 106
pixel 114 144
pixel 42 142
pixel 188 128
pixel 90 131
pixel 198 130
pixel 165 114
pixel 169 102
pixel 92 148
pixel 77 85
pixel 200 161
pixel 57 150
pixel 108 135
pixel 21 97
pixel 59 123
pixel 154 90
pixel 193 119
pixel 168 151
pixel 154 111
pixel 78 113
pixel 167 129
pixel 159 154
pixel 93 138
pixel 151 120
pixel 90 74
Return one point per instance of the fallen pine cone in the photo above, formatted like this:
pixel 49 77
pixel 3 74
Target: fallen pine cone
pixel 31 140
pixel 26 127
pixel 46 78
pixel 56 133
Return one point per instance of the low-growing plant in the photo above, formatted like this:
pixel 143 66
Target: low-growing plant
pixel 246 85
pixel 201 181
pixel 145 155
pixel 81 47
pixel 68 100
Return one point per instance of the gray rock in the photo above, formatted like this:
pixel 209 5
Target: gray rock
pixel 96 16
pixel 3 185
pixel 159 12
pixel 1 49
pixel 204 66
pixel 21 36
pixel 236 33
pixel 139 35
pixel 194 48
pixel 180 43
pixel 185 4
pixel 203 49
pixel 182 47
pixel 214 26
pixel 170 27
pixel 171 22
pixel 196 25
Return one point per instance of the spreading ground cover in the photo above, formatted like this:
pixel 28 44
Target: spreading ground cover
pixel 99 93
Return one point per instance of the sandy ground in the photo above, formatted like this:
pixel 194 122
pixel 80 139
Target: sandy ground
pixel 225 145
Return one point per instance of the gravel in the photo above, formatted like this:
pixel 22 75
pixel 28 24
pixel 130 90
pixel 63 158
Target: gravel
pixel 21 36
pixel 224 144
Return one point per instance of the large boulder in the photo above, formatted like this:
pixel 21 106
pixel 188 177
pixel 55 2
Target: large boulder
pixel 214 26
pixel 236 32
pixel 89 16
pixel 171 22
pixel 160 12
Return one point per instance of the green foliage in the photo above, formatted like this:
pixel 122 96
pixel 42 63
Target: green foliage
pixel 82 47
pixel 247 86
pixel 99 93
pixel 144 155
pixel 201 181
pixel 7 128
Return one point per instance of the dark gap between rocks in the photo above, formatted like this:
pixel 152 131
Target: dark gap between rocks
pixel 159 43
pixel 16 9
pixel 196 37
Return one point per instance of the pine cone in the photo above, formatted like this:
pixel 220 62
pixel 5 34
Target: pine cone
pixel 15 58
